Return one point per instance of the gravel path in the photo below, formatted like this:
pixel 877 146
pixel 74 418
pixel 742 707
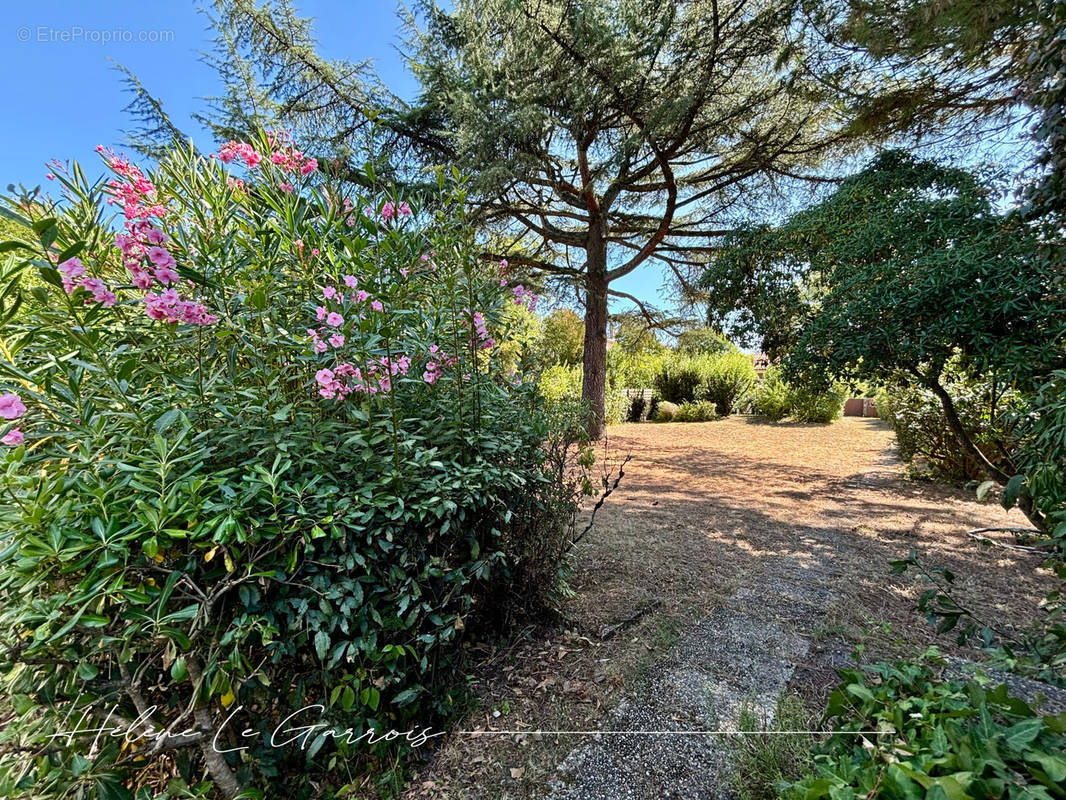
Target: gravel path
pixel 766 548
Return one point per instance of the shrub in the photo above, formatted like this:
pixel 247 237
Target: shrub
pixel 258 456
pixel 666 411
pixel 1042 455
pixel 700 411
pixel 634 370
pixel 922 433
pixel 942 737
pixel 773 396
pixel 562 384
pixel 680 378
pixel 813 405
pixel 727 380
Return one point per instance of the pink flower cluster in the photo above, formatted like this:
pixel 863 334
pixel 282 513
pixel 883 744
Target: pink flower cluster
pixel 169 307
pixel 435 366
pixel 344 379
pixel 390 211
pixel 138 196
pixel 143 251
pixel 74 277
pixel 523 296
pixel 231 151
pixel 287 158
pixel 484 340
pixel 12 407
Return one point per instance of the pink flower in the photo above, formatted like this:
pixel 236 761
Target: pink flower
pixel 361 296
pixel 504 263
pixel 154 235
pixel 388 211
pixel 166 275
pixel 142 280
pixel 333 319
pixel 320 346
pixel 251 157
pixel 320 313
pixel 337 340
pixel 329 292
pixel 350 281
pixel 160 256
pixel 404 210
pixel 377 306
pixel 11 406
pixel 310 165
pixel 285 187
pixel 72 268
pixel 13 438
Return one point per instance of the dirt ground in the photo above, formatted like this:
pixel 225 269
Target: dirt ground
pixel 700 506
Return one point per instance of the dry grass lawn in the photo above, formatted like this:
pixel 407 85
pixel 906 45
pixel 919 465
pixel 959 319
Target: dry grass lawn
pixel 704 508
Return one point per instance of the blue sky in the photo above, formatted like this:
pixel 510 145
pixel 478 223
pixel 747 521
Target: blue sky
pixel 62 95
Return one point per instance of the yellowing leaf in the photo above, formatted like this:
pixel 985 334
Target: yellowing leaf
pixel 227 699
pixel 210 553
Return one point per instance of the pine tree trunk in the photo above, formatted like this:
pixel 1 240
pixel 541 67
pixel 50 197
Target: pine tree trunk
pixel 594 360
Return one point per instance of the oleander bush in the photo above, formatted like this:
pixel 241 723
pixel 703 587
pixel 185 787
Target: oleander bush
pixel 680 377
pixel 258 458
pixel 730 377
pixel 724 378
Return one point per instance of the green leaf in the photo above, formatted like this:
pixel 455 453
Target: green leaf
pixel 1052 763
pixel 7 247
pixel 1012 491
pixel 322 644
pixel 178 670
pixel 1021 734
pixel 22 703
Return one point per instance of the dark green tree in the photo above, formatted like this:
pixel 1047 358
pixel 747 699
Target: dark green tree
pixel 608 135
pixel 914 267
pixel 601 135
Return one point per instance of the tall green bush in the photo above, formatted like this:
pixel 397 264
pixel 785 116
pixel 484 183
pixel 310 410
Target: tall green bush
pixel 258 459
pixel 772 396
pixel 727 381
pixel 680 377
pixel 820 405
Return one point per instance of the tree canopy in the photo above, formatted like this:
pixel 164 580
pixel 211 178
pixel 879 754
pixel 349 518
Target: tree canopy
pixel 906 266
